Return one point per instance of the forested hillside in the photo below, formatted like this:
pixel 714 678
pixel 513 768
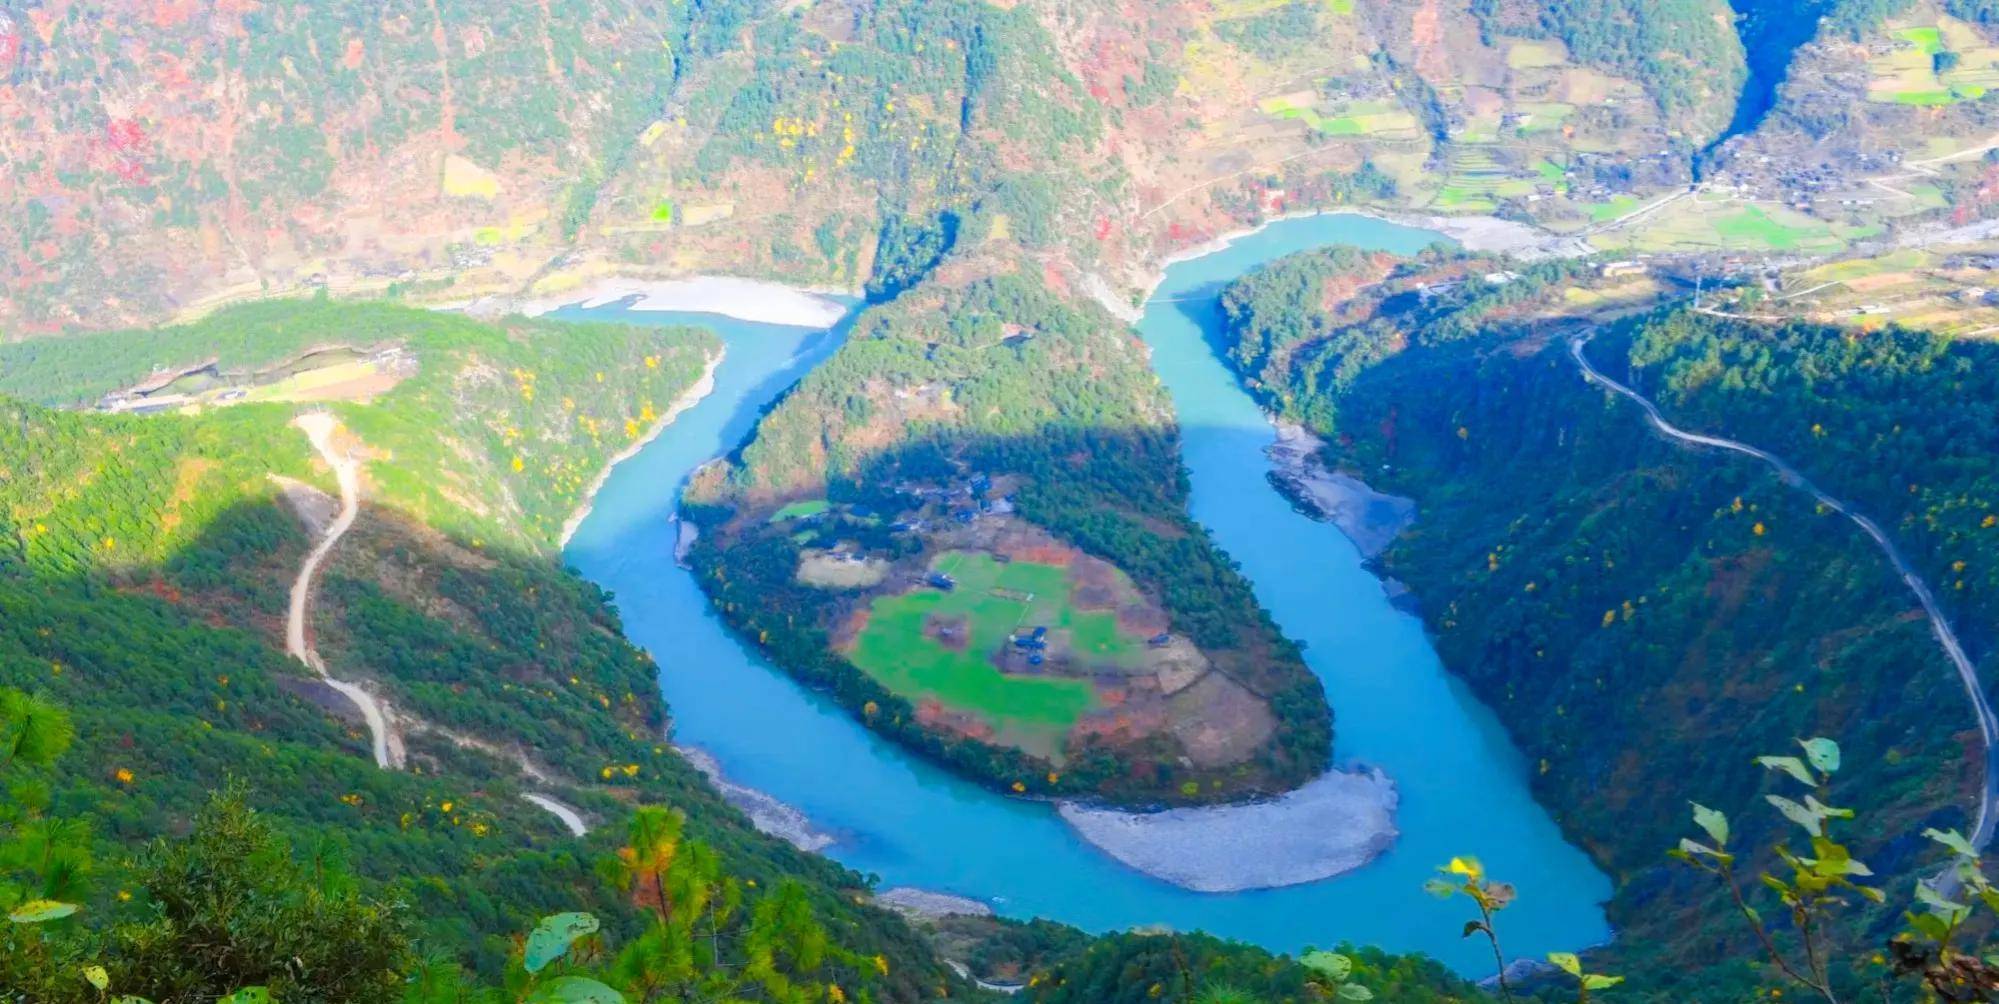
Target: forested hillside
pixel 170 157
pixel 500 428
pixel 143 575
pixel 1899 422
pixel 1636 614
pixel 986 412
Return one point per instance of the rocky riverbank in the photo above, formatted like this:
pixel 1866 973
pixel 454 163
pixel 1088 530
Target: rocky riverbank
pixel 1371 519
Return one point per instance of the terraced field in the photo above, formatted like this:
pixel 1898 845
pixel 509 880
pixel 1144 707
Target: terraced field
pixel 1342 118
pixel 1937 64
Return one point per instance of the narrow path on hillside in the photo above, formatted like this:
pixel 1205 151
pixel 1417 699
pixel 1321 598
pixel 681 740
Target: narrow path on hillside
pixel 319 427
pixel 386 744
pixel 1988 724
pixel 570 817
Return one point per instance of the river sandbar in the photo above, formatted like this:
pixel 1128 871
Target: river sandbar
pixel 1331 826
pixel 752 300
pixel 1369 518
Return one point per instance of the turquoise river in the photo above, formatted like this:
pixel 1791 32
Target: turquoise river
pixel 1463 786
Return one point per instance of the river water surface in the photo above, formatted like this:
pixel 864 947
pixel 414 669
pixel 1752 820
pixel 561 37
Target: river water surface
pixel 1463 787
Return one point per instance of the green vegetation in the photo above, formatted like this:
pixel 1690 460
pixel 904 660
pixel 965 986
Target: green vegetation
pixel 1753 226
pixel 801 509
pixel 944 113
pixel 144 563
pixel 527 411
pixel 999 378
pixel 1895 421
pixel 1275 33
pixel 1928 40
pixel 1142 968
pixel 231 909
pixel 1576 569
pixel 994 602
pixel 1685 52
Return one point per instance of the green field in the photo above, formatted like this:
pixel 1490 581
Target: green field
pixel 801 509
pixel 993 599
pixel 1927 40
pixel 1354 118
pixel 1753 226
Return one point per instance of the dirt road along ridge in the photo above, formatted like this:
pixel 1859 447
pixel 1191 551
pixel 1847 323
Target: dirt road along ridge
pixel 1988 724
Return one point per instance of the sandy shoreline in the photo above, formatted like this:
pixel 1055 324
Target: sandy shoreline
pixel 1331 826
pixel 766 813
pixel 688 398
pixel 753 300
pixel 1369 518
pixel 1473 233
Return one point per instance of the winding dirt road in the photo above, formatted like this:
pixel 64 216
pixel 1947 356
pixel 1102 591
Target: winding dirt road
pixel 386 744
pixel 319 427
pixel 1988 724
pixel 570 817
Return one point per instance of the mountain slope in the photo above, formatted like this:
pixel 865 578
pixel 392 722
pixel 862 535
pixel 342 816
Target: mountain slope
pixel 143 574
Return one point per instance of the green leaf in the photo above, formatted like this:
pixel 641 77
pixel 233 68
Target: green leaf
pixel 1713 823
pixel 1953 840
pixel 1927 894
pixel 1354 992
pixel 1823 753
pixel 1598 981
pixel 41 911
pixel 1472 927
pixel 1797 813
pixel 1930 926
pixel 1226 994
pixel 1790 765
pixel 96 977
pixel 1331 965
pixel 250 995
pixel 1825 810
pixel 575 990
pixel 553 936
pixel 1566 962
pixel 1440 888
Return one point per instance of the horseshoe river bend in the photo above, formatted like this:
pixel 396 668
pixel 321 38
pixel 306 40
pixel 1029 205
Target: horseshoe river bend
pixel 1462 786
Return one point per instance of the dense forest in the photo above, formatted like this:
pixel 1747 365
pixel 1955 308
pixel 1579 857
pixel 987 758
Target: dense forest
pixel 1899 422
pixel 185 818
pixel 1608 593
pixel 143 568
pixel 1683 51
pixel 1024 384
pixel 533 410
